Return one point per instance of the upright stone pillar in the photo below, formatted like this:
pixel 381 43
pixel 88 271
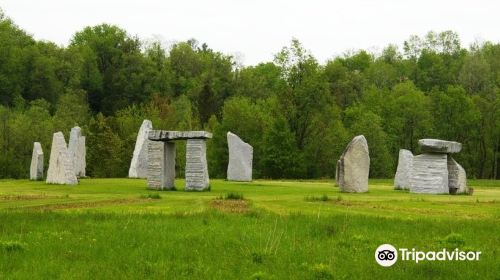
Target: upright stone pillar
pixel 403 173
pixel 139 164
pixel 353 167
pixel 196 165
pixel 77 151
pixel 239 167
pixel 161 165
pixel 36 168
pixel 61 169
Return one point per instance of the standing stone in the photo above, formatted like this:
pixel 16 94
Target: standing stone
pixel 82 159
pixel 196 165
pixel 61 169
pixel 403 173
pixel 457 178
pixel 161 165
pixel 353 167
pixel 77 151
pixel 36 169
pixel 430 174
pixel 240 159
pixel 139 165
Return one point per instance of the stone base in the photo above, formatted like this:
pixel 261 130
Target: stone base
pixel 430 174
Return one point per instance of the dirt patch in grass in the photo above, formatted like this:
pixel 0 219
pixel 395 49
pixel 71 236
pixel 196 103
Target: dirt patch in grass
pixel 76 205
pixel 230 205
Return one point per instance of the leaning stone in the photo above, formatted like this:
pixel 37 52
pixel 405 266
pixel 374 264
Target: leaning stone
pixel 36 169
pixel 61 169
pixel 457 178
pixel 240 159
pixel 430 174
pixel 77 151
pixel 139 165
pixel 196 165
pixel 402 178
pixel 353 167
pixel 439 146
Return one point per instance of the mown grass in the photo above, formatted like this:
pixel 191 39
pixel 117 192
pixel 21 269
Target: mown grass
pixel 116 229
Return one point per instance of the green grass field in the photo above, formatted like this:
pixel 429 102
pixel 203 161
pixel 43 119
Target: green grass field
pixel 117 229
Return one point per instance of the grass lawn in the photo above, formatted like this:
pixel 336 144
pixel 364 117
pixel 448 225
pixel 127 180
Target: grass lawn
pixel 117 229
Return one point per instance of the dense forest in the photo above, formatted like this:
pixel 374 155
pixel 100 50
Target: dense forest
pixel 297 113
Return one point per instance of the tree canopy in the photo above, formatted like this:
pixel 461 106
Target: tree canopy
pixel 297 113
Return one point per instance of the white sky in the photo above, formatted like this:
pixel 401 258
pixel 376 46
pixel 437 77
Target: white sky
pixel 257 29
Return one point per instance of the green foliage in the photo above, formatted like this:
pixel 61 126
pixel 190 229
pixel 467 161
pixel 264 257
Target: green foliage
pixel 232 196
pixel 296 113
pixel 151 196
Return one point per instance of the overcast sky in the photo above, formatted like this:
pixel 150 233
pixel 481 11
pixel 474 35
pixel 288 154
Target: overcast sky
pixel 257 29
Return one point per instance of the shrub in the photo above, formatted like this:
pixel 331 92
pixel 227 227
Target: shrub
pixel 151 196
pixel 232 196
pixel 323 197
pixel 12 246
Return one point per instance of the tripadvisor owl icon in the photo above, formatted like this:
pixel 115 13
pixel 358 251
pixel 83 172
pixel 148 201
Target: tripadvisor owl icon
pixel 386 255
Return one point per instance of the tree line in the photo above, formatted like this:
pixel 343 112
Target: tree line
pixel 297 113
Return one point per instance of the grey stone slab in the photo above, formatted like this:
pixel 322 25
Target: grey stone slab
pixel 196 165
pixel 61 169
pixel 77 151
pixel 36 168
pixel 239 167
pixel 353 168
pixel 166 135
pixel 430 174
pixel 161 165
pixel 457 178
pixel 403 172
pixel 139 164
pixel 439 146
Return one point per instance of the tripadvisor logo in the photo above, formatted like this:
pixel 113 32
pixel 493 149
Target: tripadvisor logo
pixel 387 255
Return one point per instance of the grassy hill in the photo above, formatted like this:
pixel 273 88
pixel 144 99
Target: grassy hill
pixel 117 229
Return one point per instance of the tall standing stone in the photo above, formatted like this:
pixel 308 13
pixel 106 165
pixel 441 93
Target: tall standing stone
pixel 430 174
pixel 240 159
pixel 457 178
pixel 161 165
pixel 36 168
pixel 77 151
pixel 403 172
pixel 196 165
pixel 353 166
pixel 139 165
pixel 61 169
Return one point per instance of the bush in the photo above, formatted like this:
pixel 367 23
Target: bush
pixel 151 196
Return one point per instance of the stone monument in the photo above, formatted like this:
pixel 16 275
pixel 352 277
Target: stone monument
pixel 239 167
pixel 77 151
pixel 61 169
pixel 353 167
pixel 403 173
pixel 139 165
pixel 161 161
pixel 36 168
pixel 435 171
